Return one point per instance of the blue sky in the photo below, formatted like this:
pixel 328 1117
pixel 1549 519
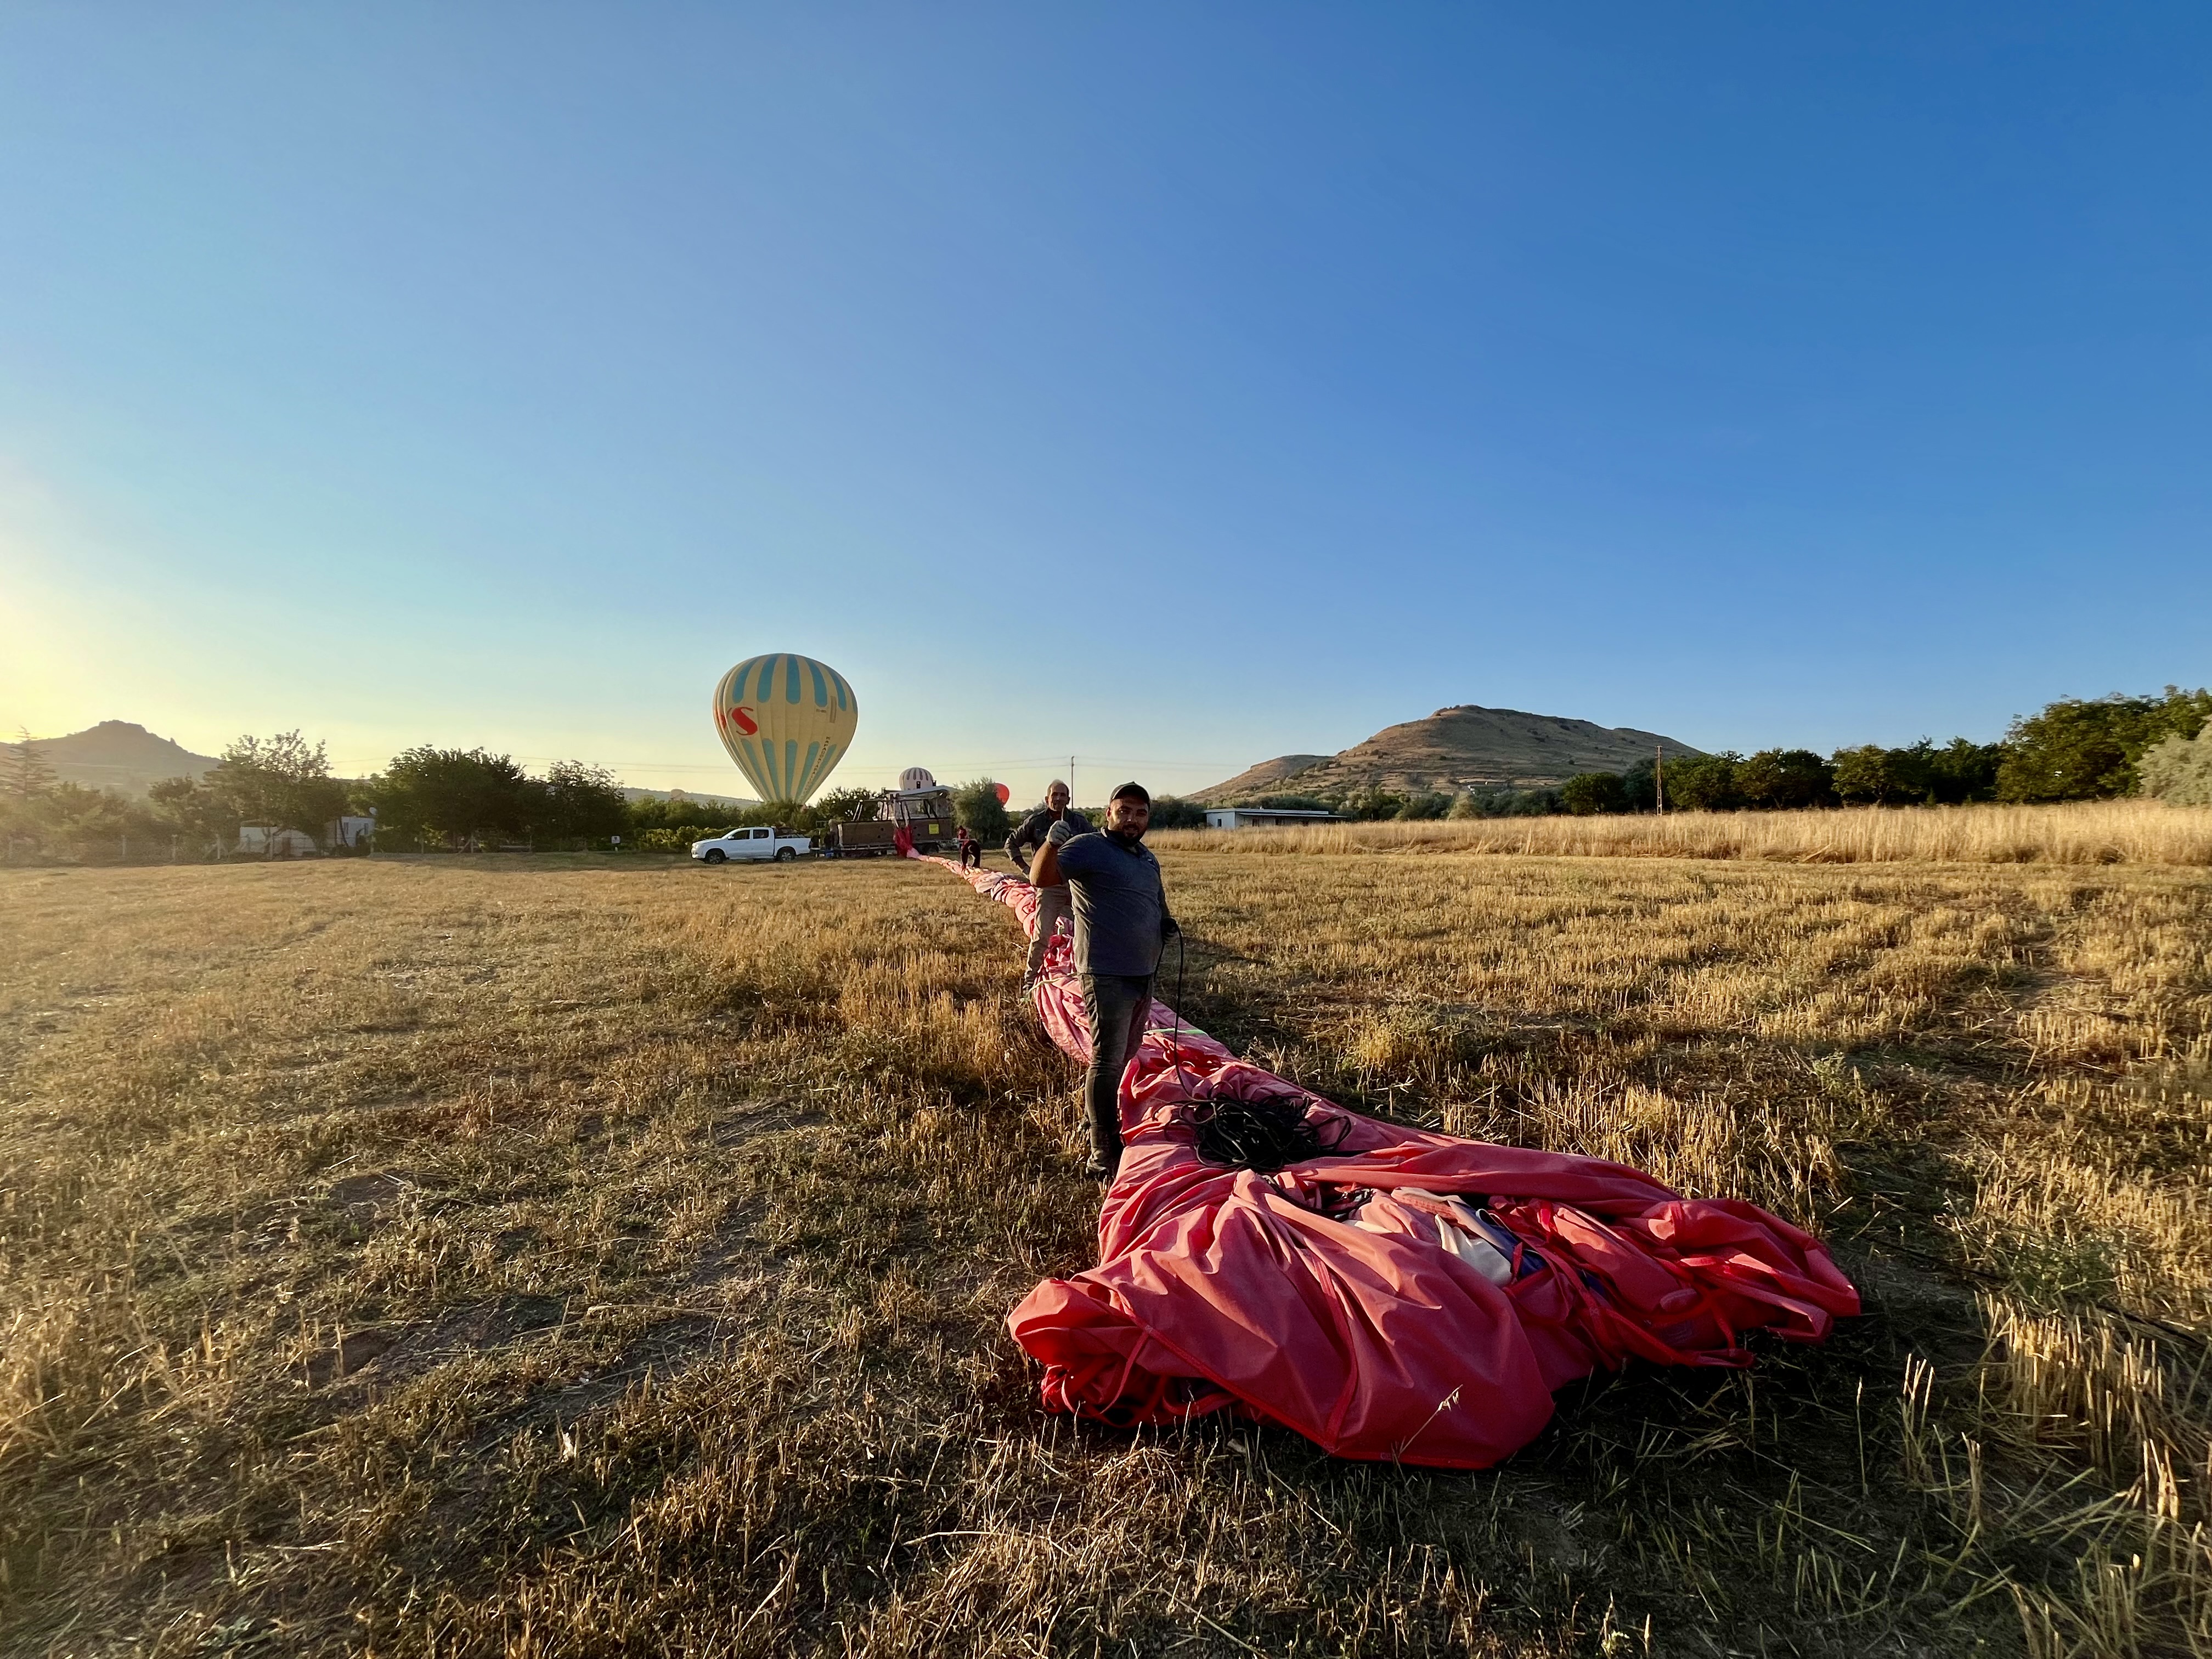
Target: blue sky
pixel 1173 385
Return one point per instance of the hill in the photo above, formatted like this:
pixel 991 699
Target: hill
pixel 1462 747
pixel 121 756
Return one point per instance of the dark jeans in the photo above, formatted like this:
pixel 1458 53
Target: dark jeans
pixel 1116 1004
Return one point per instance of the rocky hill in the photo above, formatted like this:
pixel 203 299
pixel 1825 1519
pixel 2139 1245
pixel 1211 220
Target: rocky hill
pixel 1463 747
pixel 121 756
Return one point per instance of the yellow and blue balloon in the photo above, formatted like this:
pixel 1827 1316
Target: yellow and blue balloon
pixel 786 722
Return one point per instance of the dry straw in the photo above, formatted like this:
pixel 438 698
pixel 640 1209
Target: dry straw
pixel 2088 832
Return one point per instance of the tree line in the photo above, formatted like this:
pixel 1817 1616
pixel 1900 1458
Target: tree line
pixel 427 799
pixel 2074 749
pixel 430 799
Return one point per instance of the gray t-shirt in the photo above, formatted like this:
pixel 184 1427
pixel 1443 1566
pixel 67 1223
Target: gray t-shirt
pixel 1121 907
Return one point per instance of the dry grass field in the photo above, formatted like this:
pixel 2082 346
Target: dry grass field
pixel 2132 831
pixel 551 1257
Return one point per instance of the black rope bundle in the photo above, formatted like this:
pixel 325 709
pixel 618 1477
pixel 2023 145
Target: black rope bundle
pixel 1260 1134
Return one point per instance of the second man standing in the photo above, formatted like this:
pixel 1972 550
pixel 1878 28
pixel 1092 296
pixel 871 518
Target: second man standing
pixel 1022 846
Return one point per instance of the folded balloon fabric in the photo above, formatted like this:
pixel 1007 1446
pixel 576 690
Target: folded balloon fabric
pixel 1405 1295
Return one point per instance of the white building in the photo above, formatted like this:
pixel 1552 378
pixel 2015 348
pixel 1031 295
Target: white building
pixel 1253 817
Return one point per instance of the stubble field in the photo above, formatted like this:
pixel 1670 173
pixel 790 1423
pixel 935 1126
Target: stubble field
pixel 550 1257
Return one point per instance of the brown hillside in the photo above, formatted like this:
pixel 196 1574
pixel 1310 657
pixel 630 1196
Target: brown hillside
pixel 121 756
pixel 1253 779
pixel 1459 748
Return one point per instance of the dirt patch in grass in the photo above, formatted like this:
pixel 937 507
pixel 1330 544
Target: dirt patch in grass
pixel 529 1256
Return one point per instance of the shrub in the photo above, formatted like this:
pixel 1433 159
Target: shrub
pixel 1589 793
pixel 1173 812
pixel 1430 803
pixel 1366 805
pixel 2179 770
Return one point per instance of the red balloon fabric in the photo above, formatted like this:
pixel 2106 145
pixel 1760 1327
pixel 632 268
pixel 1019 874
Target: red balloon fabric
pixel 1004 793
pixel 1407 1296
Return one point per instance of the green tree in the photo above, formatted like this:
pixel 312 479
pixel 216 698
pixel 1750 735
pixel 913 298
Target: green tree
pixel 441 797
pixel 27 774
pixel 194 812
pixel 1588 793
pixel 1426 803
pixel 574 802
pixel 1863 774
pixel 1780 780
pixel 1704 783
pixel 2079 748
pixel 1960 771
pixel 795 816
pixel 848 806
pixel 281 783
pixel 977 806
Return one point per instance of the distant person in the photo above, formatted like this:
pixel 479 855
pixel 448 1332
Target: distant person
pixel 971 850
pixel 1122 923
pixel 1022 846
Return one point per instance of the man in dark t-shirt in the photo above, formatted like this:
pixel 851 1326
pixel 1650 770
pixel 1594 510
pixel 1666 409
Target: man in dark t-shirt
pixel 1122 921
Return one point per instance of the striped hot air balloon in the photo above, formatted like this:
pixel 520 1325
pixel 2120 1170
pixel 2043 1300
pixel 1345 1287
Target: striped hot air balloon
pixel 786 722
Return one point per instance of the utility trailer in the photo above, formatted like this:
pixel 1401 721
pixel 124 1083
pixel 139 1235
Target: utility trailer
pixel 927 813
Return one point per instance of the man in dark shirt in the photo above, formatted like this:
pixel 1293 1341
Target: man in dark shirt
pixel 1122 921
pixel 1021 848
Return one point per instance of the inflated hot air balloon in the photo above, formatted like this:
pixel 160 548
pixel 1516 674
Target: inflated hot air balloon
pixel 1004 793
pixel 786 722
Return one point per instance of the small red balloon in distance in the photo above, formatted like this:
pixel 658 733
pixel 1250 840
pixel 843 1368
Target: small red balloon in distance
pixel 1004 793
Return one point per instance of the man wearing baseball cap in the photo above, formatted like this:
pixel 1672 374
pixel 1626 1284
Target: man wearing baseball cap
pixel 1122 922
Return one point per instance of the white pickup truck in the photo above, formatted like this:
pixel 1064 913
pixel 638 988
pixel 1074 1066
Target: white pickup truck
pixel 778 843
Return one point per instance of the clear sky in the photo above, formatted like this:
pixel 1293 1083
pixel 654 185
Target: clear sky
pixel 1174 385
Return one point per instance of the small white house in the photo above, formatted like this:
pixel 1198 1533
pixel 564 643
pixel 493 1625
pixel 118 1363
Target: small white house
pixel 1253 817
pixel 260 841
pixel 349 831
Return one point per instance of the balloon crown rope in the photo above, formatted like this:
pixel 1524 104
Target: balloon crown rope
pixel 1387 1292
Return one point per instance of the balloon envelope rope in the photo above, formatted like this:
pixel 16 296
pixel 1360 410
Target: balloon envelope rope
pixel 1388 1292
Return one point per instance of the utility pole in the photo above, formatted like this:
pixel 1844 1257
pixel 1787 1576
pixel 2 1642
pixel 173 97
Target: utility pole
pixel 1659 775
pixel 1071 779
